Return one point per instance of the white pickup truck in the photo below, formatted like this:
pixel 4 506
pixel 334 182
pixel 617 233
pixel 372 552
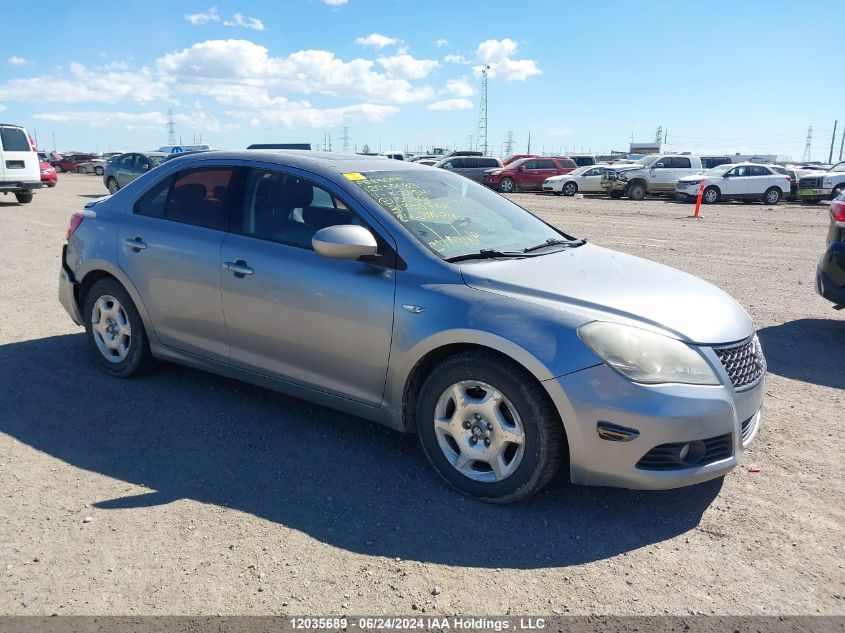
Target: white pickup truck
pixel 651 174
pixel 823 185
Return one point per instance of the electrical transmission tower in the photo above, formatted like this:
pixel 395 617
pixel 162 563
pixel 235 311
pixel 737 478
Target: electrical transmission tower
pixel 509 143
pixel 171 128
pixel 658 137
pixel 806 157
pixel 345 140
pixel 481 136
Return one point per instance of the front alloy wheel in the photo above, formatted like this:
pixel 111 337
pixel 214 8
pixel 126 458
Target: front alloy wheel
pixel 113 186
pixel 569 189
pixel 506 185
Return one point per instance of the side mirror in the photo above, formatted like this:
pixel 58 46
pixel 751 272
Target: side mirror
pixel 725 175
pixel 657 166
pixel 145 166
pixel 521 168
pixel 344 241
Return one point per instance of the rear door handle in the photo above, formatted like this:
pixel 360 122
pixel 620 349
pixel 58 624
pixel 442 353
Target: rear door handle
pixel 239 268
pixel 135 243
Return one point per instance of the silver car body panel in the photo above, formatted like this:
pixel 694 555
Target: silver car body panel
pixel 335 332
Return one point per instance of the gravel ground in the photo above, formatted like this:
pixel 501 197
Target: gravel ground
pixel 182 492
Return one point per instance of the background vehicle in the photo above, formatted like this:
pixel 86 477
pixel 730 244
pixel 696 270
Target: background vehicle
pixel 822 186
pixel 584 160
pixel 69 162
pixel 650 174
pixel 745 181
pixel 515 157
pixel 394 154
pixel 709 162
pixel 95 166
pixel 48 174
pixel 795 174
pixel 20 173
pixel 472 167
pixel 527 173
pixel 122 170
pixel 830 274
pixel 584 180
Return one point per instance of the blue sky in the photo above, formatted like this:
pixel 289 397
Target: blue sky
pixel 720 75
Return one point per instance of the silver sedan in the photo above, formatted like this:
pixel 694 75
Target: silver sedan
pixel 414 297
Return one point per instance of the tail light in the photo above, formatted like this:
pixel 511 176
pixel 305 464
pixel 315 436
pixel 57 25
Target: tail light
pixel 32 145
pixel 837 212
pixel 73 224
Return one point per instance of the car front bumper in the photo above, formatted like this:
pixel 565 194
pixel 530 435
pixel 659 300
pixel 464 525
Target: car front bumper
pixel 660 415
pixel 555 187
pixel 614 185
pixel 814 194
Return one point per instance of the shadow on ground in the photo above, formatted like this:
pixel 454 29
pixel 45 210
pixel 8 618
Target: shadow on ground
pixel 809 350
pixel 187 434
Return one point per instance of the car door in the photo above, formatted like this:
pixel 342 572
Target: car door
pixel 535 172
pixel 662 176
pixel 292 314
pixel 169 247
pixel 735 181
pixel 469 167
pixel 125 172
pixel 760 179
pixel 590 181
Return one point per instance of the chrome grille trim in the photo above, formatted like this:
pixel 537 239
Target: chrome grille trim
pixel 743 362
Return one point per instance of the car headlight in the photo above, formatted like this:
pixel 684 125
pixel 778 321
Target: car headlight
pixel 645 356
pixel 622 177
pixel 827 182
pixel 689 183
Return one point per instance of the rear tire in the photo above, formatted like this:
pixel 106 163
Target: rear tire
pixel 112 185
pixel 23 198
pixel 81 170
pixel 59 169
pixel 108 304
pixel 772 196
pixel 636 191
pixel 526 437
pixel 711 195
pixel 569 189
pixel 507 185
pixel 98 171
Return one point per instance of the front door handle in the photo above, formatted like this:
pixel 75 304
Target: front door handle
pixel 239 268
pixel 136 243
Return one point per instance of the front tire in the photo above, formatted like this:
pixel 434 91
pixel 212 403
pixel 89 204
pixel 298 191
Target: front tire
pixel 570 189
pixel 772 196
pixel 115 331
pixel 112 186
pixel 98 171
pixel 507 185
pixel 711 195
pixel 59 169
pixel 81 170
pixel 636 191
pixel 489 428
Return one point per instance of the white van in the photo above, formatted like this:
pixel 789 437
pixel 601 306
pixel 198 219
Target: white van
pixel 19 165
pixel 394 154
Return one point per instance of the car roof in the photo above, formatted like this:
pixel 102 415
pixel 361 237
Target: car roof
pixel 328 163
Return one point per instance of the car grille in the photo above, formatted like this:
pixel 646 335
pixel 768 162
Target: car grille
pixel 668 456
pixel 608 174
pixel 744 362
pixel 810 183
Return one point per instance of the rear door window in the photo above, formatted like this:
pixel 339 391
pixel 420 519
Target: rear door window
pixel 13 139
pixel 193 196
pixel 756 170
pixel 545 164
pixel 679 162
pixel 488 162
pixel 470 163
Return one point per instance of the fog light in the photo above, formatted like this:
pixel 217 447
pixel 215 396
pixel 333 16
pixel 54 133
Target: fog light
pixel 692 452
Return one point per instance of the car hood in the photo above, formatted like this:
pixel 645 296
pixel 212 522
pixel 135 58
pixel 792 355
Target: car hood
pixel 600 284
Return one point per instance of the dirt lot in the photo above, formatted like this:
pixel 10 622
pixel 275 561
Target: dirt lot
pixel 182 492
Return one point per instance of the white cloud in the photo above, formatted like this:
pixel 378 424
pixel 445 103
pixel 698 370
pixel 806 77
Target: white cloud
pixel 441 42
pixel 560 131
pixel 223 68
pixel 460 87
pixel 84 85
pixel 408 67
pixel 455 59
pixel 14 60
pixel 246 22
pixel 498 55
pixel 377 40
pixel 137 120
pixel 494 51
pixel 451 104
pixel 302 114
pixel 202 18
pixel 334 3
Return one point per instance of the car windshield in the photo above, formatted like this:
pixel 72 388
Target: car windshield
pixel 839 167
pixel 580 170
pixel 646 160
pixel 718 171
pixel 451 215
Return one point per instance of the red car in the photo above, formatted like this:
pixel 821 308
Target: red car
pixel 516 157
pixel 48 174
pixel 527 173
pixel 72 161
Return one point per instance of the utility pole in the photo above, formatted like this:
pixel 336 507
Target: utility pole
pixel 509 144
pixel 345 139
pixel 832 141
pixel 807 157
pixel 529 143
pixel 53 132
pixel 481 135
pixel 841 144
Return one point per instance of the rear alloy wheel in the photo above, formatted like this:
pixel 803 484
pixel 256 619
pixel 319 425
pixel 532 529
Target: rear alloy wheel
pixel 489 428
pixel 711 195
pixel 81 170
pixel 59 169
pixel 112 186
pixel 569 189
pixel 506 185
pixel 115 331
pixel 636 191
pixel 98 171
pixel 23 198
pixel 772 195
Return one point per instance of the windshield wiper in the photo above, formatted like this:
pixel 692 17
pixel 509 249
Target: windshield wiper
pixel 487 253
pixel 554 242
